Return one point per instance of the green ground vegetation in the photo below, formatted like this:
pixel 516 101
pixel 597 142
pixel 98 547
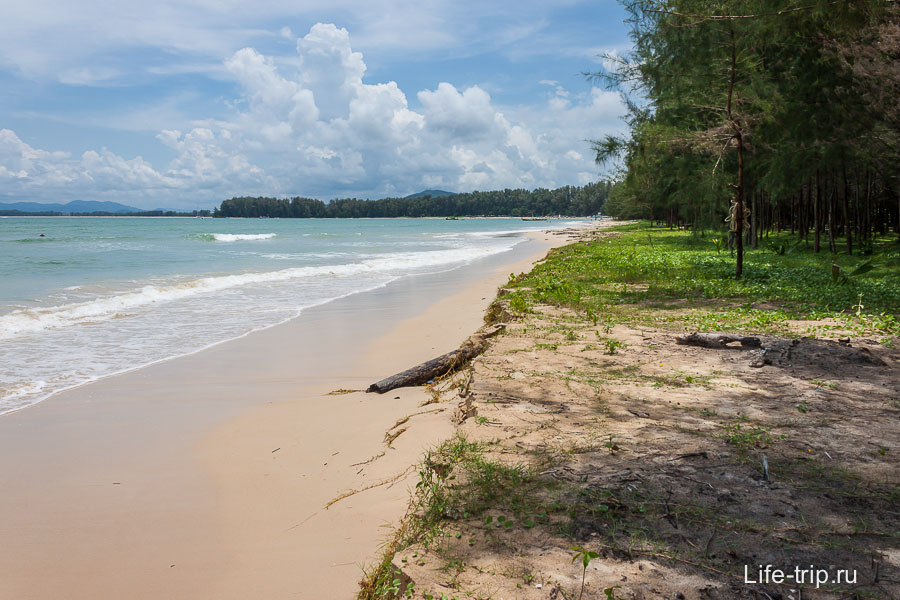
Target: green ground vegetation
pixel 459 480
pixel 678 278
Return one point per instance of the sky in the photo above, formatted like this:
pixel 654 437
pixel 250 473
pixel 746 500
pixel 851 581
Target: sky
pixel 184 103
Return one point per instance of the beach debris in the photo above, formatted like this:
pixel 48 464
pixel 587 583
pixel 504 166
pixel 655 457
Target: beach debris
pixel 400 421
pixel 441 365
pixel 390 481
pixel 341 391
pixel 716 340
pixel 390 436
pixel 466 409
pixel 811 352
pixel 371 460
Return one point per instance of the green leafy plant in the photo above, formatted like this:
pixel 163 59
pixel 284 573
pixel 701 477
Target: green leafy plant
pixel 859 306
pixel 612 346
pixel 611 445
pixel 745 438
pixel 586 557
pixel 518 304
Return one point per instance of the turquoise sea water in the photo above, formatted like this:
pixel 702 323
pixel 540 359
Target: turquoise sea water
pixel 98 296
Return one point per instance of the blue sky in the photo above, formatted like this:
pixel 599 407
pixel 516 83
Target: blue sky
pixel 183 103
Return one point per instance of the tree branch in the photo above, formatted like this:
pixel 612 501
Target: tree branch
pixel 702 18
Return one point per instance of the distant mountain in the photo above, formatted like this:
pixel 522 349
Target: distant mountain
pixel 76 206
pixel 432 193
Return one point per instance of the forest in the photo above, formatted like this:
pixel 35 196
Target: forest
pixel 574 201
pixel 760 116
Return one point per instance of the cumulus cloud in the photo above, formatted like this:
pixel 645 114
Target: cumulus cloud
pixel 324 131
pixel 25 170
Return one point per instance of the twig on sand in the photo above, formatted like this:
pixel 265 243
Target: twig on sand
pixel 371 460
pixel 347 494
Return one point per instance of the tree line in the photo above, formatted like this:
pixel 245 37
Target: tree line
pixel 576 201
pixel 769 115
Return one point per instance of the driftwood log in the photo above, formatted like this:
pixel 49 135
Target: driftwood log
pixel 441 365
pixel 716 340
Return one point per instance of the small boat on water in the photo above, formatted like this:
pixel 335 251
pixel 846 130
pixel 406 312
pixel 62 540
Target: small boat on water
pixel 452 218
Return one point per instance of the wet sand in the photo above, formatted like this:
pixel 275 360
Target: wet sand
pixel 206 476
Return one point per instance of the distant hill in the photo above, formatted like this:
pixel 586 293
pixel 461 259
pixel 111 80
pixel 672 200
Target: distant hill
pixel 76 206
pixel 432 193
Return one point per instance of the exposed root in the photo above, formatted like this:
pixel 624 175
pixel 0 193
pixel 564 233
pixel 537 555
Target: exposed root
pixel 400 422
pixel 369 461
pixel 390 480
pixel 390 437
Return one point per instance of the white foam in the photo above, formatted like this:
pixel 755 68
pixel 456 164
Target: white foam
pixel 14 391
pixel 33 320
pixel 241 237
pixel 300 255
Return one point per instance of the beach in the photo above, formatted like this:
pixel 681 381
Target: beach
pixel 207 476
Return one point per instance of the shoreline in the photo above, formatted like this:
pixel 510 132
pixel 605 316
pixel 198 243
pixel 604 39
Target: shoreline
pixel 46 385
pixel 130 497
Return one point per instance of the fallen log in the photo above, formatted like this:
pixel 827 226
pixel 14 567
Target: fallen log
pixel 716 340
pixel 439 366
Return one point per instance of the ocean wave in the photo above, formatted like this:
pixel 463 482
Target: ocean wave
pixel 13 391
pixel 31 240
pixel 27 321
pixel 303 255
pixel 236 237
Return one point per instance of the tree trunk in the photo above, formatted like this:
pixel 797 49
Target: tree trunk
pixel 847 229
pixel 817 217
pixel 830 208
pixel 856 206
pixel 793 217
pixel 754 221
pixel 868 213
pixel 739 195
pixel 716 340
pixel 805 195
pixel 439 366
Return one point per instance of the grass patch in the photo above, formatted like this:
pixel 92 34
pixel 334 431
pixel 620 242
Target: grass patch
pixel 457 480
pixel 662 277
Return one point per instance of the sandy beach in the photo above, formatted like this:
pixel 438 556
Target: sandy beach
pixel 207 476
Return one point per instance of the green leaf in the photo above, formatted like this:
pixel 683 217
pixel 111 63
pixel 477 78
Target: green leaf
pixel 864 268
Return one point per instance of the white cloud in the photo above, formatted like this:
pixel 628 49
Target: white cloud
pixel 56 39
pixel 322 131
pixel 25 170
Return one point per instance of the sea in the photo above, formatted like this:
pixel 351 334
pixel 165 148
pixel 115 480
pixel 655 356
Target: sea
pixel 83 298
